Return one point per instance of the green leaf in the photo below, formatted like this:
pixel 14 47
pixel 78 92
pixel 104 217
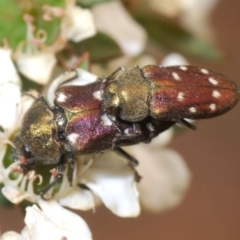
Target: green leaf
pixel 11 23
pixel 90 3
pixel 100 48
pixel 3 201
pixel 171 36
pixel 28 84
pixel 12 26
pixel 8 159
pixel 23 205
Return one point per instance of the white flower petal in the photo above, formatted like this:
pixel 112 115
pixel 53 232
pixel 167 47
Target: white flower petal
pixel 78 198
pixel 11 235
pixel 10 89
pixel 169 8
pixel 36 66
pixel 54 222
pixel 111 178
pixel 9 97
pixel 165 177
pixel 195 16
pixel 23 105
pixel 174 59
pixel 78 24
pixel 14 194
pixel 8 71
pixel 114 20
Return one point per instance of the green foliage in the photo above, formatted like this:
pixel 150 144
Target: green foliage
pixel 12 26
pixel 100 48
pixel 11 22
pixel 3 201
pixel 90 3
pixel 171 36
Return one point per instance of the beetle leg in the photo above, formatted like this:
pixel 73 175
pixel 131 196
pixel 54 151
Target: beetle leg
pixel 60 171
pixel 49 186
pixel 71 161
pixel 187 124
pixel 127 139
pixel 133 162
pixel 152 132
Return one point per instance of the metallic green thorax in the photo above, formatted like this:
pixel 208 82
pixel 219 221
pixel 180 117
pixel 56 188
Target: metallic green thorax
pixel 130 93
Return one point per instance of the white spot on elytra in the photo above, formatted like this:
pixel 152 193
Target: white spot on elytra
pixel 61 97
pixel 192 109
pixel 180 96
pixel 176 76
pixel 213 81
pixel 97 95
pixel 205 71
pixel 105 120
pixel 184 68
pixel 216 94
pixel 73 137
pixel 212 106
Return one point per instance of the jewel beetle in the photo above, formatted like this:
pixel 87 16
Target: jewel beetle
pixel 127 107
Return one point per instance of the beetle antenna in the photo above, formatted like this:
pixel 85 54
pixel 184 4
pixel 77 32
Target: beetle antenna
pixel 113 74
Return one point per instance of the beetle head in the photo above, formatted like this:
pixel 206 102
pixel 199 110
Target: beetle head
pixel 37 142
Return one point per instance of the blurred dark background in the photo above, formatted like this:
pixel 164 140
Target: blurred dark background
pixel 211 209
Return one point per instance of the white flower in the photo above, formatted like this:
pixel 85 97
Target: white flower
pixel 36 66
pixel 37 61
pixel 77 24
pixel 34 59
pixel 52 222
pixel 112 19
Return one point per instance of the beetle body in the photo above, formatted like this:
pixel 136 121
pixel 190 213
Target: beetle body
pixel 123 109
pixel 77 124
pixel 170 93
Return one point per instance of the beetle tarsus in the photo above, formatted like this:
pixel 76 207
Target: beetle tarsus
pixel 133 162
pixel 60 171
pixel 46 189
pixel 187 124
